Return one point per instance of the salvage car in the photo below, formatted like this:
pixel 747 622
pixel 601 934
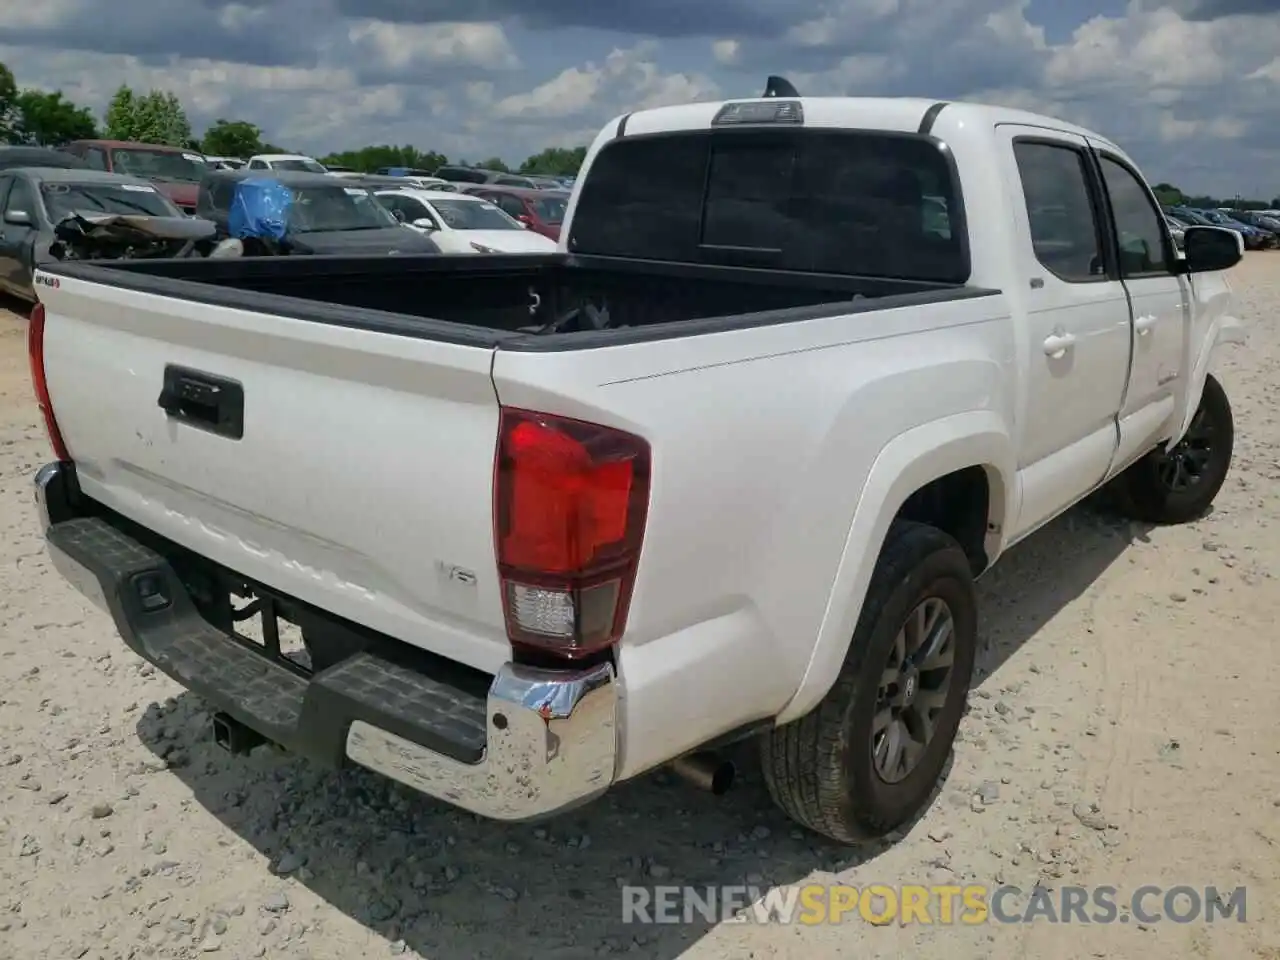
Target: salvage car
pixel 724 467
pixel 286 163
pixel 462 224
pixel 542 211
pixel 1258 220
pixel 457 174
pixel 175 171
pixel 225 163
pixel 50 215
pixel 317 214
pixel 1254 238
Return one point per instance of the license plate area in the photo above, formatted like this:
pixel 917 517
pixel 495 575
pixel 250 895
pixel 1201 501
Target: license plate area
pixel 260 621
pixel 287 631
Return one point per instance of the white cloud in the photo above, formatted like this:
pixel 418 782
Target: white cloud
pixel 629 77
pixel 1169 89
pixel 564 95
pixel 21 15
pixel 1158 48
pixel 1269 71
pixel 401 46
pixel 726 51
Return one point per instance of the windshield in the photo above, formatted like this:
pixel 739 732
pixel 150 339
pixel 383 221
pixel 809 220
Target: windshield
pixel 302 166
pixel 64 199
pixel 550 209
pixel 158 164
pixel 323 209
pixel 473 215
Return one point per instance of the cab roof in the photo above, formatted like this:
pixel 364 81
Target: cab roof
pixel 73 175
pixel 898 114
pixel 134 145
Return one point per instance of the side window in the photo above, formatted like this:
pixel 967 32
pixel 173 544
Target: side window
pixel 393 203
pixel 222 193
pixel 5 184
pixel 1064 228
pixel 21 198
pixel 1138 232
pixel 257 165
pixel 511 205
pixel 96 158
pixel 417 210
pixel 407 207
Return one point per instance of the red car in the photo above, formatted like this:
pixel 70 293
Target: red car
pixel 542 211
pixel 175 171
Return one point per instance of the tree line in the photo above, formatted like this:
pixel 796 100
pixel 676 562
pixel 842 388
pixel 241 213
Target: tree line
pixel 47 118
pixel 33 117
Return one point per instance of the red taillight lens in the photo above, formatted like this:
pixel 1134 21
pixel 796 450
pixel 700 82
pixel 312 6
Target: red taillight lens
pixel 570 500
pixel 35 353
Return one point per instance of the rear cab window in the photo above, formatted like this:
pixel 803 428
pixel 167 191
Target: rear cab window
pixel 865 203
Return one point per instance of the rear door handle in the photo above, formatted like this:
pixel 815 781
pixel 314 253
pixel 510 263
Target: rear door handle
pixel 203 400
pixel 1058 344
pixel 1144 325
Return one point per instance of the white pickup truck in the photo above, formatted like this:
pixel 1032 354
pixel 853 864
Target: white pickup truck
pixel 725 465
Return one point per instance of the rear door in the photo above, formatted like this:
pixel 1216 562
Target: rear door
pixel 1077 335
pixel 360 476
pixel 6 185
pixel 1160 301
pixel 17 239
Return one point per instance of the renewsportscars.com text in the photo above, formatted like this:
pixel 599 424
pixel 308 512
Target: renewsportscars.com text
pixel 880 904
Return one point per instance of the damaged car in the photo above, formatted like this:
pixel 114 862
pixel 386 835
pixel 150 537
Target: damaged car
pixel 301 214
pixel 49 215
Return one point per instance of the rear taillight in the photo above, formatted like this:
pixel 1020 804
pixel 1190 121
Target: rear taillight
pixel 35 353
pixel 570 500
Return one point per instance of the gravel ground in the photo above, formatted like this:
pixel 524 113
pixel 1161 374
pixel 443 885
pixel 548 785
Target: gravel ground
pixel 1121 733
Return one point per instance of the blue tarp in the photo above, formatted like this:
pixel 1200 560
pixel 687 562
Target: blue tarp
pixel 260 208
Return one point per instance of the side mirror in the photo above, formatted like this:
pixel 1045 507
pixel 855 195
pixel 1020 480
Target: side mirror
pixel 424 223
pixel 525 220
pixel 1211 248
pixel 19 218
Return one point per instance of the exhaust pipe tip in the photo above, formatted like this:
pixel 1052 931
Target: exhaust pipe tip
pixel 706 771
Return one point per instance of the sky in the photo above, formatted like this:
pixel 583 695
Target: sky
pixel 1190 88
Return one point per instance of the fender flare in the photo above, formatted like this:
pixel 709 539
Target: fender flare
pixel 904 465
pixel 1224 329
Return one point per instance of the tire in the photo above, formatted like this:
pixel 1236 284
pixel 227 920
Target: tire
pixel 821 769
pixel 1146 492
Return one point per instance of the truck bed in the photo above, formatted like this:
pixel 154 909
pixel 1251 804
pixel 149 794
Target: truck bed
pixel 483 300
pixel 258 413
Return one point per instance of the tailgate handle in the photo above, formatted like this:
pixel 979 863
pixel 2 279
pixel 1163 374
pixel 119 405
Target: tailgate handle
pixel 204 401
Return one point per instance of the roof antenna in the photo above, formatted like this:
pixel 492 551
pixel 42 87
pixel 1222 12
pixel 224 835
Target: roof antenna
pixel 780 87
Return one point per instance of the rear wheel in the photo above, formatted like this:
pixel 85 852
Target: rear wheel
pixel 1180 484
pixel 867 758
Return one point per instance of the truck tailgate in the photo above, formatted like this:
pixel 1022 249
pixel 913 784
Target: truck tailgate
pixel 362 482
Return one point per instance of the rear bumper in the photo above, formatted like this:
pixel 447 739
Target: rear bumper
pixel 538 742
